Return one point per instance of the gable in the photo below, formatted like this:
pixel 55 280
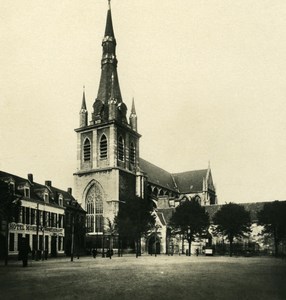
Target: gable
pixel 191 181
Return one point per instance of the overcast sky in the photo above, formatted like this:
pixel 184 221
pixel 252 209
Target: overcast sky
pixel 208 79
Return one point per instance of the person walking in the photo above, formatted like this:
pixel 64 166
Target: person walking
pixel 24 250
pixel 94 253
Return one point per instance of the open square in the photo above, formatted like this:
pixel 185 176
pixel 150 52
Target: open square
pixel 147 277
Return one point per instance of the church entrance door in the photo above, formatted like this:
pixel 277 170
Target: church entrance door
pixel 154 245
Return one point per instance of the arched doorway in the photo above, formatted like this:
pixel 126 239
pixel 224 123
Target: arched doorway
pixel 154 244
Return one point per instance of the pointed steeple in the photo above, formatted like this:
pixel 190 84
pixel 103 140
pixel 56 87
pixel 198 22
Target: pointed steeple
pixel 83 114
pixel 109 84
pixel 133 117
pixel 83 105
pixel 133 112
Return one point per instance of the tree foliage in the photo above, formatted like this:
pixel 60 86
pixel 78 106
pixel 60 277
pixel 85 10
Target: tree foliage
pixel 9 202
pixel 9 210
pixel 232 221
pixel 273 218
pixel 191 219
pixel 134 219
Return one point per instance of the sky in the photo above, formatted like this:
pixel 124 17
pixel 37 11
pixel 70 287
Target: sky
pixel 208 79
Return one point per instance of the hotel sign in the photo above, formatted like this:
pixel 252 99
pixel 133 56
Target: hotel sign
pixel 27 227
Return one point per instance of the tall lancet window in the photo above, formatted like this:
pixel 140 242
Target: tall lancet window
pixel 86 150
pixel 90 213
pixel 121 148
pixel 132 153
pixel 94 209
pixel 103 147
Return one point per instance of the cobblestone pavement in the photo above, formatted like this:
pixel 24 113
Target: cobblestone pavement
pixel 146 277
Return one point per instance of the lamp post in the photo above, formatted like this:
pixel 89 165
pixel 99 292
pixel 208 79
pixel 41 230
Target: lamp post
pixel 72 236
pixel 37 232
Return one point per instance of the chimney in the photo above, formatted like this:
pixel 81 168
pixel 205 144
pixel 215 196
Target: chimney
pixel 30 177
pixel 70 191
pixel 48 183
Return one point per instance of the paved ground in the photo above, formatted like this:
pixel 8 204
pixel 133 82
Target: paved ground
pixel 163 277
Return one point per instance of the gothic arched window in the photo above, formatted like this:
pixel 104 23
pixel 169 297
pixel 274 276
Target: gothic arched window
pixel 103 147
pixel 86 150
pixel 121 148
pixel 94 209
pixel 132 153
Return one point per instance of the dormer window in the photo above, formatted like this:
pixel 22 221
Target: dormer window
pixel 61 200
pixel 86 150
pixel 26 192
pixel 12 187
pixel 103 147
pixel 121 148
pixel 46 197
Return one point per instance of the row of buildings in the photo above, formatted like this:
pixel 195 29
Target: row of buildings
pixel 50 219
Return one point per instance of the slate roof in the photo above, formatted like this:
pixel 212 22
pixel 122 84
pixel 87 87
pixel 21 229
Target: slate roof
pixel 34 186
pixel 157 175
pixel 191 181
pixel 184 182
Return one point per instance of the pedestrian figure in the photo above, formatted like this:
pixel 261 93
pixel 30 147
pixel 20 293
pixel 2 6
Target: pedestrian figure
pixel 94 253
pixel 197 252
pixel 24 250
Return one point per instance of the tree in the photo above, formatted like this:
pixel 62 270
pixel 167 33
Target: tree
pixel 273 218
pixel 232 221
pixel 134 220
pixel 9 210
pixel 191 219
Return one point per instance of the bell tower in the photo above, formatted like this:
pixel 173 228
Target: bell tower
pixel 107 146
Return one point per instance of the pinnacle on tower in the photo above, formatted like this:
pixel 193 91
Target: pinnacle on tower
pixel 83 114
pixel 133 117
pixel 83 105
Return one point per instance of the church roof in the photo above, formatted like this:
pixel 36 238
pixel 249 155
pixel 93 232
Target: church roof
pixel 157 176
pixel 191 181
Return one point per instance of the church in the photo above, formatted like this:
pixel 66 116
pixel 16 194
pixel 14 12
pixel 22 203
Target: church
pixel 109 166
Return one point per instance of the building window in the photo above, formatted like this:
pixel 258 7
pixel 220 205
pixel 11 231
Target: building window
pixel 46 197
pixel 121 148
pixel 132 153
pixel 94 208
pixel 26 192
pixel 61 201
pixel 27 219
pixel 103 147
pixel 86 150
pixel 33 216
pixel 60 243
pixel 11 242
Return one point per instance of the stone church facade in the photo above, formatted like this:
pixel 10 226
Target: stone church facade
pixel 109 167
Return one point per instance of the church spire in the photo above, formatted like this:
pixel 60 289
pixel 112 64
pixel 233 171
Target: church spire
pixel 133 117
pixel 83 114
pixel 109 84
